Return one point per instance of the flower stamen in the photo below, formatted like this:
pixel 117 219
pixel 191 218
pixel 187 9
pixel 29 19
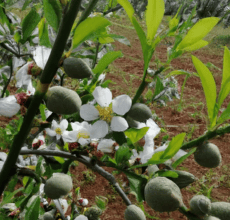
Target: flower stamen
pixel 84 135
pixel 58 131
pixel 105 113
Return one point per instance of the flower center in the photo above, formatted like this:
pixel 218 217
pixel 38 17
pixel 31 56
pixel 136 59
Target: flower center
pixel 105 113
pixel 83 134
pixel 58 131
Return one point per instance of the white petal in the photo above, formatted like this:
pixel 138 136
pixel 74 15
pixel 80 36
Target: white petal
pixel 122 104
pixel 83 141
pixel 30 89
pixel 64 124
pixel 153 128
pixel 69 136
pixel 119 124
pixel 22 71
pixel 9 106
pixel 41 55
pixel 99 129
pixel 103 96
pixel 54 124
pixel 106 145
pixel 50 132
pixel 76 125
pixel 58 136
pixel 89 112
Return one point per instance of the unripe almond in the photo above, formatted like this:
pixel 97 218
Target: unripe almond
pixel 163 195
pixel 134 212
pixel 61 100
pixel 208 155
pixel 77 68
pixel 58 185
pixel 211 218
pixel 220 210
pixel 200 205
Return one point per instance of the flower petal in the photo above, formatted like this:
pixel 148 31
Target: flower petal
pixel 9 106
pixel 69 136
pixel 54 124
pixel 153 128
pixel 122 104
pixel 119 124
pixel 99 129
pixel 64 124
pixel 103 96
pixel 89 112
pixel 106 145
pixel 83 141
pixel 50 132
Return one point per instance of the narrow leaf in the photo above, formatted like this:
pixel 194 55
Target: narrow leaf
pixel 29 23
pixel 199 44
pixel 156 158
pixel 136 134
pixel 107 59
pixel 42 111
pixel 209 86
pixel 168 173
pixel 198 32
pixel 225 86
pixel 128 8
pixel 43 33
pixel 59 159
pixel 181 159
pixel 26 3
pixel 33 210
pixel 88 28
pixel 225 115
pixel 159 87
pixel 154 14
pixel 174 146
pixel 53 13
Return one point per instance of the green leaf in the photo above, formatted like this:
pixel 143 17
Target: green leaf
pixel 42 111
pixel 33 210
pixel 199 44
pixel 137 184
pixel 128 8
pixel 181 159
pixel 154 15
pixel 168 173
pixel 4 19
pixel 53 13
pixel 159 87
pixel 17 36
pixel 174 146
pixel 135 134
pixel 9 197
pixel 156 158
pixel 225 84
pixel 59 159
pixel 198 32
pixel 29 23
pixel 119 137
pixel 39 166
pixel 107 59
pixel 225 115
pixel 44 33
pixel 123 154
pixel 26 3
pixel 209 87
pixel 25 180
pixel 174 21
pixel 88 28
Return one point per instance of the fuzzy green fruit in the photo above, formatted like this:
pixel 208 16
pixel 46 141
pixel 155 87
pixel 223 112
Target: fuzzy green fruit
pixel 211 218
pixel 200 205
pixel 93 213
pixel 163 195
pixel 220 210
pixel 208 155
pixel 184 178
pixel 49 215
pixel 77 68
pixel 61 100
pixel 134 212
pixel 139 112
pixel 58 185
pixel 132 123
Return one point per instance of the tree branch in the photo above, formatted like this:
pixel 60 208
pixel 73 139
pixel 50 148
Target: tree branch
pixel 86 161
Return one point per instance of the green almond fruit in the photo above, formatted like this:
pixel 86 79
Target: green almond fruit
pixel 220 210
pixel 49 215
pixel 163 195
pixel 208 155
pixel 184 178
pixel 61 100
pixel 200 205
pixel 93 213
pixel 58 185
pixel 211 218
pixel 140 112
pixel 134 212
pixel 77 68
pixel 131 122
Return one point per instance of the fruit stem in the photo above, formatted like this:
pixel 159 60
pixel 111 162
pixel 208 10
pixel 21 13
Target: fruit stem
pixel 184 210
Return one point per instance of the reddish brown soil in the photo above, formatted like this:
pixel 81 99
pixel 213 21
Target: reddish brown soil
pixel 182 121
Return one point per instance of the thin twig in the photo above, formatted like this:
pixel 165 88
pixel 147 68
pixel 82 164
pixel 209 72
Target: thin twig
pixel 11 73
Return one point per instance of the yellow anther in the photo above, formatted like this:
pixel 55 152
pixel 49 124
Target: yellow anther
pixel 82 135
pixel 58 131
pixel 106 113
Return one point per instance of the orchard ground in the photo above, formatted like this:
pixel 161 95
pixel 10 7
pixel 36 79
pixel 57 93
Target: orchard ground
pixel 126 74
